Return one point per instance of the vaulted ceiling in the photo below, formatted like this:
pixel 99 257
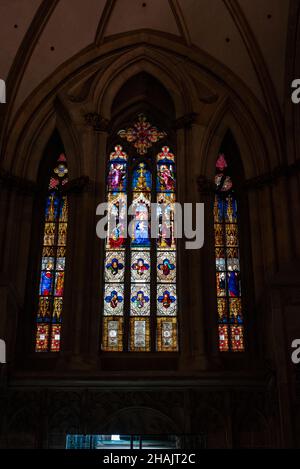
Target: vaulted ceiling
pixel 247 36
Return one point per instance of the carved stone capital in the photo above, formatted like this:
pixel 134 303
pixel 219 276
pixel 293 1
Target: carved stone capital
pixel 97 122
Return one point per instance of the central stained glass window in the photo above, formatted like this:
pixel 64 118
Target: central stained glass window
pixel 140 297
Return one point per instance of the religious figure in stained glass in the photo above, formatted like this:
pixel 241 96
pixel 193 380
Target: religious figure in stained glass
pixel 166 267
pixel 114 266
pixel 51 290
pixel 141 232
pixel 140 267
pixel 229 296
pixel 114 299
pixel 152 321
pixel 117 210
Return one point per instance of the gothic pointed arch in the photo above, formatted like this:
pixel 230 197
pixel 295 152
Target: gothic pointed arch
pixel 140 291
pixel 49 306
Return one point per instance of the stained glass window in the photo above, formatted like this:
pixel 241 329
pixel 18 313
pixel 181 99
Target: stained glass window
pixel 227 254
pixel 52 276
pixel 140 298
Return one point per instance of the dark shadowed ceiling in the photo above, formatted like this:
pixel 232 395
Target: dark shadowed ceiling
pixel 238 33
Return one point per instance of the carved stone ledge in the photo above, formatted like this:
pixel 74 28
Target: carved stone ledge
pixel 205 185
pixel 268 179
pixel 97 122
pixel 16 183
pixel 77 186
pixel 256 183
pixel 186 121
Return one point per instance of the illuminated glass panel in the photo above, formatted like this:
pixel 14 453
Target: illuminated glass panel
pixel 142 135
pixel 167 334
pixel 140 334
pixel 117 210
pixel 166 267
pixel 114 266
pixel 166 300
pixel 166 180
pixel 113 334
pixel 141 235
pixel 113 299
pixel 42 338
pixel 140 266
pixel 141 178
pixel 228 284
pixel 52 276
pixel 140 298
pixel 140 304
pixel 165 214
pixel 117 174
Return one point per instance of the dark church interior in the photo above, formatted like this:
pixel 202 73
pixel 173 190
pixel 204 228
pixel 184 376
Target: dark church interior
pixel 128 340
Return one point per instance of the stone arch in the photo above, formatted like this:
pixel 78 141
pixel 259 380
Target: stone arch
pixel 156 57
pixel 142 93
pixel 65 420
pixel 142 59
pixel 253 431
pixel 31 149
pixel 209 421
pixel 22 429
pixel 254 151
pixel 139 420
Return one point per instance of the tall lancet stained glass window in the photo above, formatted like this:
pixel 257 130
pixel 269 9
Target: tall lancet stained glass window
pixel 140 298
pixel 51 286
pixel 229 296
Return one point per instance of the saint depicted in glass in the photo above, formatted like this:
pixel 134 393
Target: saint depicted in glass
pixel 52 277
pixel 140 308
pixel 229 296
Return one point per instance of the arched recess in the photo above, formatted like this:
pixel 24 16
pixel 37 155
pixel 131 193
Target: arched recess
pixel 42 245
pixel 140 421
pixel 158 53
pixel 222 262
pixel 22 429
pixel 33 141
pixel 142 59
pixel 251 140
pixel 58 109
pixel 65 421
pixel 253 431
pixel 210 421
pixel 141 94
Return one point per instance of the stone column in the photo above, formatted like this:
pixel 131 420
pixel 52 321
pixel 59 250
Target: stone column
pixel 189 261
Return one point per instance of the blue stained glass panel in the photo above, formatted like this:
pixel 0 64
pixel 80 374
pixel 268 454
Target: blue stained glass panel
pixel 141 178
pixel 46 284
pixel 52 207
